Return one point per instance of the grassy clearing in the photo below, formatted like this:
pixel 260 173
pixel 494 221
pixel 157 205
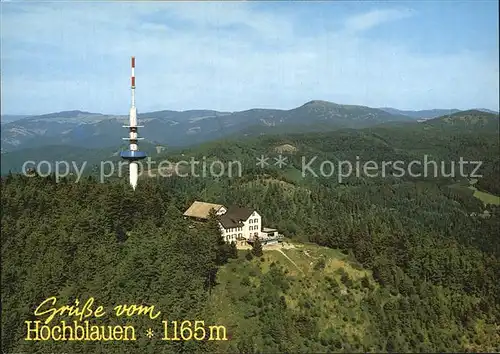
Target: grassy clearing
pixel 486 198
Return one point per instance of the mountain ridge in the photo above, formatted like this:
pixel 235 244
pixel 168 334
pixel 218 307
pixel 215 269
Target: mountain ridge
pixel 176 128
pixel 182 128
pixel 392 110
pixel 431 113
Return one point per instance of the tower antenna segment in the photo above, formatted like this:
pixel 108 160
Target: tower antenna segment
pixel 133 155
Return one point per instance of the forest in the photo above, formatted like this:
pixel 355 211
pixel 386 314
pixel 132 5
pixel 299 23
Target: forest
pixel 429 252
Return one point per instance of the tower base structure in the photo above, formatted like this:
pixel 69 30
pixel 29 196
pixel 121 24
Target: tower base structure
pixel 133 157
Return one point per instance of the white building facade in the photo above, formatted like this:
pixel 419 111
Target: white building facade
pixel 240 229
pixel 238 224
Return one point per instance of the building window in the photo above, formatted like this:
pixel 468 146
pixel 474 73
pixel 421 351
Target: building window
pixel 255 220
pixel 251 221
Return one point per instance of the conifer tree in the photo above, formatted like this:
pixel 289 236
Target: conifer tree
pixel 257 247
pixel 233 250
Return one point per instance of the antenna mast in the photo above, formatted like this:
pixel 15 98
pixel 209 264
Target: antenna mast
pixel 133 155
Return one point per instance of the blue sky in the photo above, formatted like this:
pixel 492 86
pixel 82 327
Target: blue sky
pixel 238 55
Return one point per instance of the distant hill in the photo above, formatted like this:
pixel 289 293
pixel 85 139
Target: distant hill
pixel 95 130
pixel 6 118
pixel 64 114
pixel 471 119
pixel 423 114
pixel 13 161
pixel 349 116
pixel 180 129
pixel 430 113
pixel 487 110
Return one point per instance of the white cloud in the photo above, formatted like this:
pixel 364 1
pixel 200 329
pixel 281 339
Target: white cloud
pixel 374 18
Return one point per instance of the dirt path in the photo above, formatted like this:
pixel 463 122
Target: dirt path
pixel 295 264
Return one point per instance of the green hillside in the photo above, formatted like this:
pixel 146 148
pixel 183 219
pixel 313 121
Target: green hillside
pixel 471 119
pixel 13 161
pixel 398 264
pixel 435 269
pixel 387 142
pixel 316 299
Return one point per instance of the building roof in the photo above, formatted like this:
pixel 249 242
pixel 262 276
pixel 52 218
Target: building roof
pixel 240 213
pixel 235 216
pixel 201 210
pixel 228 223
